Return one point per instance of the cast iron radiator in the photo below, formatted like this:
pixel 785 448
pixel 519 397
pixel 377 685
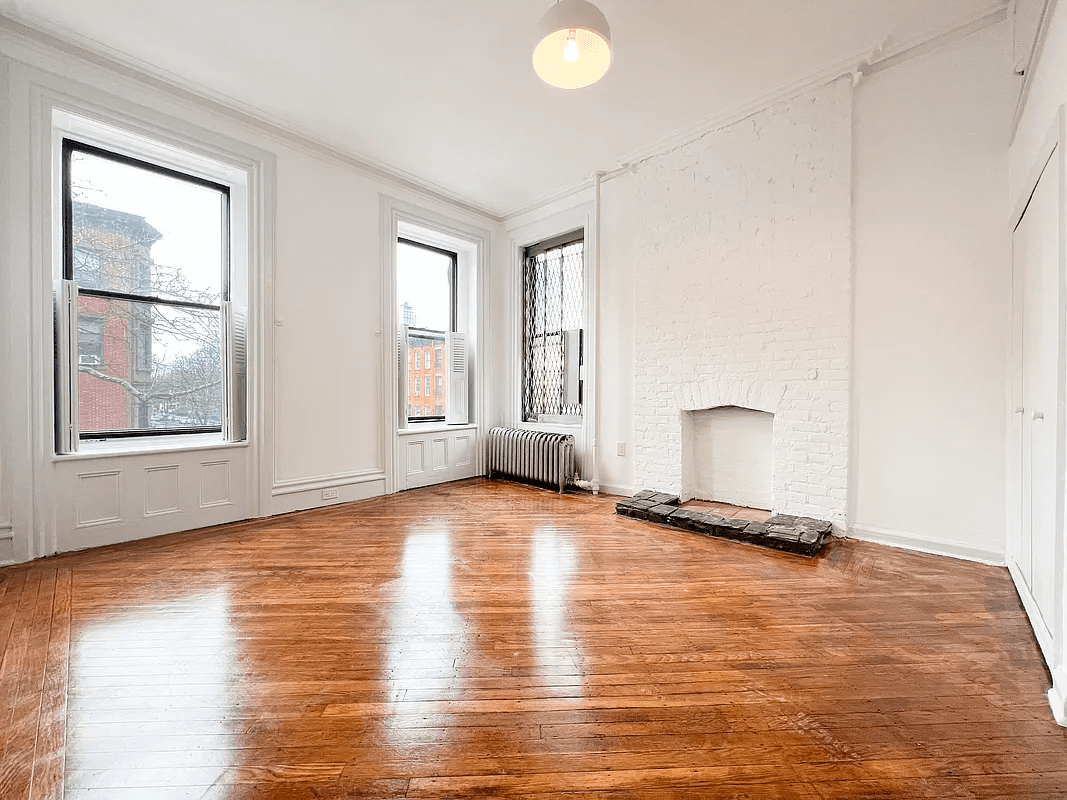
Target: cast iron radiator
pixel 532 455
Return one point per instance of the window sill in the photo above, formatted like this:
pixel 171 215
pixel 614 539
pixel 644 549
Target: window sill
pixel 419 429
pixel 551 427
pixel 153 444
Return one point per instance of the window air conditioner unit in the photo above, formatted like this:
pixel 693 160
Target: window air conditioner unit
pixel 88 361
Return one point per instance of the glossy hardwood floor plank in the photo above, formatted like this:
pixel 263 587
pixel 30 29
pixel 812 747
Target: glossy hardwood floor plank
pixel 50 747
pixel 491 640
pixel 25 695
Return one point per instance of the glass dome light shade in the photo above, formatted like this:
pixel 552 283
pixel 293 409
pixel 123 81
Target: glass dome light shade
pixel 587 25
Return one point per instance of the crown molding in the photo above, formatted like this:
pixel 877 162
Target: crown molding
pixel 899 52
pixel 1032 62
pixel 41 37
pixel 745 109
pixel 562 194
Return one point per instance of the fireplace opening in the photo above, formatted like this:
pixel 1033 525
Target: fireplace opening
pixel 727 456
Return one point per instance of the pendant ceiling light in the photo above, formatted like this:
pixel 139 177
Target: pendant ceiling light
pixel 574 45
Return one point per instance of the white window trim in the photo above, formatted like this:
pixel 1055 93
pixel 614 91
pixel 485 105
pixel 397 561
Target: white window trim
pixel 189 160
pixel 473 245
pixel 32 94
pixel 579 217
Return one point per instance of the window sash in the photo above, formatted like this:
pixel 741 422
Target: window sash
pixel 71 146
pixel 438 349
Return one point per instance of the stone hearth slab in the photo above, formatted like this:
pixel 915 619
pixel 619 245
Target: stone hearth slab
pixel 800 535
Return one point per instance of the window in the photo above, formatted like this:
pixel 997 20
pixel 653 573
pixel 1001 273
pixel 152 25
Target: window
pixel 553 317
pixel 439 386
pixel 148 248
pixel 426 299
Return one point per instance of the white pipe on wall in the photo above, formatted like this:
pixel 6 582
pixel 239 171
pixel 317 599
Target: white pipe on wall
pixel 595 337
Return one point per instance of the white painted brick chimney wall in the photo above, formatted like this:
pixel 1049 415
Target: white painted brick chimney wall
pixel 743 289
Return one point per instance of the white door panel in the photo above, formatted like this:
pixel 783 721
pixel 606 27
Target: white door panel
pixel 1036 252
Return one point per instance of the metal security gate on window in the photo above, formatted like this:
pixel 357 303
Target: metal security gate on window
pixel 553 316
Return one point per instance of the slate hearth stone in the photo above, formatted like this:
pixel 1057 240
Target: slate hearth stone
pixel 755 530
pixel 662 513
pixel 800 535
pixel 689 520
pixel 727 528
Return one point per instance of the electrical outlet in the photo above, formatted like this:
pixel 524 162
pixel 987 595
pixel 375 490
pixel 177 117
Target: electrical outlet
pixel 329 494
pixel 620 449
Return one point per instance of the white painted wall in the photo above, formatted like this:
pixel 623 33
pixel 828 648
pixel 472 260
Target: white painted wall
pixel 329 264
pixel 617 306
pixel 1046 93
pixel 319 415
pixel 933 299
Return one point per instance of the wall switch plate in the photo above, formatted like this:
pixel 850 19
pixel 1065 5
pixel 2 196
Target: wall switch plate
pixel 620 449
pixel 329 494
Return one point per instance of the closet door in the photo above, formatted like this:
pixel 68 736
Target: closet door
pixel 1036 253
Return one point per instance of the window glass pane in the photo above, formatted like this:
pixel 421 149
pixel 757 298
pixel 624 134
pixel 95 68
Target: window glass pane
pixel 424 287
pixel 426 382
pixel 88 267
pixel 147 366
pixel 138 232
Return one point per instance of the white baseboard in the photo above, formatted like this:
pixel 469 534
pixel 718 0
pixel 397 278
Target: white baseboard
pixel 921 544
pixel 298 485
pixel 1042 632
pixel 304 495
pixel 1057 695
pixel 7 545
pixel 619 491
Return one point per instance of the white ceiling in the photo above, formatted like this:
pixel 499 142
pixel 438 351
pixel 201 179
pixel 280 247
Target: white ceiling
pixel 445 90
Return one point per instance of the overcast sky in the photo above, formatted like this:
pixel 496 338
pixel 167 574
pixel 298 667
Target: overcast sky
pixel 188 215
pixel 422 281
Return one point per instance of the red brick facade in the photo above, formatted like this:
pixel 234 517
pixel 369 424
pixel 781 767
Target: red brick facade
pixel 426 370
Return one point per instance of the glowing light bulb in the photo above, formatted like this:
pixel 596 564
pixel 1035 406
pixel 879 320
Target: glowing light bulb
pixel 570 50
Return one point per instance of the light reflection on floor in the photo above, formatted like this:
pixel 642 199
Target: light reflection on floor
pixel 151 695
pixel 553 561
pixel 427 639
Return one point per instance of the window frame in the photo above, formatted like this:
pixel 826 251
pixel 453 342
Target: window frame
pixel 453 289
pixel 70 145
pixel 560 241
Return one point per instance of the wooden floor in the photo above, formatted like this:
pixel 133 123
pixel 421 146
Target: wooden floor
pixel 492 640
